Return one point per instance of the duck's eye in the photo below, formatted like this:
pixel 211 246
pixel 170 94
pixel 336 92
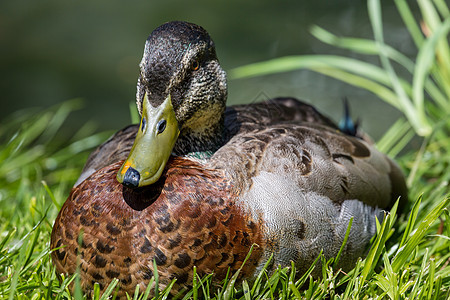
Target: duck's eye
pixel 161 126
pixel 144 122
pixel 195 65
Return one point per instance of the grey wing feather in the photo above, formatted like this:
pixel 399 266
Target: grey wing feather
pixel 317 158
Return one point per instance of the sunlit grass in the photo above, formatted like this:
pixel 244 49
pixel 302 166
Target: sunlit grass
pixel 409 257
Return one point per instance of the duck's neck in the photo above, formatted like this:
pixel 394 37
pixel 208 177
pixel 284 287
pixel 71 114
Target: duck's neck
pixel 201 138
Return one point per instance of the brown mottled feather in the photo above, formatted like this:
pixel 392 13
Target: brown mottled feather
pixel 188 218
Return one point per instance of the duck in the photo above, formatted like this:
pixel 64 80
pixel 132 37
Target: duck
pixel 199 184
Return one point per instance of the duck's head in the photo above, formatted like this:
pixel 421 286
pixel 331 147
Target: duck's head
pixel 181 95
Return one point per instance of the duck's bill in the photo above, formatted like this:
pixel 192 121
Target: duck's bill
pixel 152 147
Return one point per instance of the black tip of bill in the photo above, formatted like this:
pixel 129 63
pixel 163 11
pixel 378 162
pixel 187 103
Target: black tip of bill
pixel 131 178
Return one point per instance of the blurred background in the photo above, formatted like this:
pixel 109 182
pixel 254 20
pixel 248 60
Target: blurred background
pixel 52 51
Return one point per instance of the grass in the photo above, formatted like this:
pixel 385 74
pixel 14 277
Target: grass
pixel 409 257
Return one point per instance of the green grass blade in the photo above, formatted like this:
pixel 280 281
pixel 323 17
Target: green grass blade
pixel 411 221
pixel 7 238
pixel 410 22
pixel 110 289
pixel 330 66
pixel 195 284
pixel 442 8
pixel 50 193
pixel 401 144
pixel 405 251
pixel 425 60
pixel 396 132
pixel 148 289
pixel 344 242
pixel 156 276
pixel 257 283
pixel 229 290
pixel 294 290
pixel 363 46
pixel 377 247
pixel 60 115
pixel 431 279
pixel 416 117
pixel 305 276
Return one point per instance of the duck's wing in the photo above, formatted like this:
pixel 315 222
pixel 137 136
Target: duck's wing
pixel 115 149
pixel 316 158
pixel 306 182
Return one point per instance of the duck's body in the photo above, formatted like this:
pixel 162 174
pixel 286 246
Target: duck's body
pixel 276 174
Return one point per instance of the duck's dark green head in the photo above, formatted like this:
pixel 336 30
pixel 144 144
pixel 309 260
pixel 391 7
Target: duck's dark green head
pixel 181 95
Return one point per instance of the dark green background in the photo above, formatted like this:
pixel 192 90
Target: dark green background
pixel 52 51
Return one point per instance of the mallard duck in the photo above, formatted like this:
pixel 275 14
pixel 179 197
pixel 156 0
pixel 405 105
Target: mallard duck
pixel 197 183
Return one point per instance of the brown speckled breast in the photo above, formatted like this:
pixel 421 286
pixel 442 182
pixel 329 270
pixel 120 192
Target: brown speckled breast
pixel 190 218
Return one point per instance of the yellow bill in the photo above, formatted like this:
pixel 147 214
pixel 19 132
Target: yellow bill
pixel 152 147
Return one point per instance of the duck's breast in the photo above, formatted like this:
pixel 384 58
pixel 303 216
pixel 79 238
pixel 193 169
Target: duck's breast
pixel 189 218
